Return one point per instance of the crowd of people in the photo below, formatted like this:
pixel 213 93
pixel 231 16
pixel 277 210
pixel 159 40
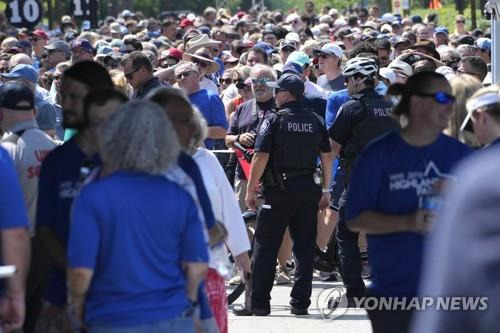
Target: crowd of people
pixel 119 217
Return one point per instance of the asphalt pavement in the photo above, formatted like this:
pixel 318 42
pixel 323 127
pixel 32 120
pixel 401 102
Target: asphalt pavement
pixel 319 320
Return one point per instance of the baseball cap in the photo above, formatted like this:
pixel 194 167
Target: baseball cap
pixel 289 82
pixel 24 71
pixel 287 43
pixel 59 45
pixel 484 43
pixel 299 57
pixel 344 32
pixel 388 74
pixel 83 44
pixel 40 33
pixel 465 39
pixel 185 23
pixel 293 36
pixel 265 46
pixel 16 96
pixel 441 30
pixel 398 65
pixel 330 49
pixel 370 25
pixel 292 67
pixel 475 103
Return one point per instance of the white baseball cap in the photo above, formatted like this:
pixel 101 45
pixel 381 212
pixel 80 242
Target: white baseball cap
pixel 331 49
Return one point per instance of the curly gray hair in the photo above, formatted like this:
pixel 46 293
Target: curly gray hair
pixel 139 137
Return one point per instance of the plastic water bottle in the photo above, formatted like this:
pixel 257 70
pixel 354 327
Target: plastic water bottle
pixel 431 202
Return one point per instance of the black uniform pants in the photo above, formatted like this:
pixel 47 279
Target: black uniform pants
pixel 350 261
pixel 297 209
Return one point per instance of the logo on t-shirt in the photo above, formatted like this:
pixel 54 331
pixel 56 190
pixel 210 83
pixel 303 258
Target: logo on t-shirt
pixel 69 189
pixel 264 127
pixel 422 182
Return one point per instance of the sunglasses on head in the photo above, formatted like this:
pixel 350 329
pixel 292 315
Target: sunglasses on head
pixel 261 81
pixel 439 97
pixel 183 75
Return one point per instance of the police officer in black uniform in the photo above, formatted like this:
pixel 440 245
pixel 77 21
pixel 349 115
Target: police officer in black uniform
pixel 287 147
pixel 360 120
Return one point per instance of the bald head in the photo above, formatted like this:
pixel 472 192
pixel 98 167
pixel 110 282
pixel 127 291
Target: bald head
pixel 18 59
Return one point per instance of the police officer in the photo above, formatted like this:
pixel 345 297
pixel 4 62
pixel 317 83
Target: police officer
pixel 366 116
pixel 287 146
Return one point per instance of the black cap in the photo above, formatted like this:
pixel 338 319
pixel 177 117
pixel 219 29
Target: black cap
pixel 289 82
pixel 16 96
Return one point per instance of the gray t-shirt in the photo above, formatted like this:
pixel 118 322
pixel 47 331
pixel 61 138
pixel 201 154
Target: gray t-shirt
pixel 27 149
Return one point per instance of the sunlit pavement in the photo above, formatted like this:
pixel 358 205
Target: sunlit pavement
pixel 319 320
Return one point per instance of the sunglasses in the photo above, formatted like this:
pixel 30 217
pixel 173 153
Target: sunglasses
pixel 202 64
pixel 183 75
pixel 261 81
pixel 324 56
pixel 129 76
pixel 227 81
pixel 34 40
pixel 288 49
pixel 439 97
pixel 461 21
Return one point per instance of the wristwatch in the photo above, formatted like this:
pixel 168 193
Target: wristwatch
pixel 238 138
pixel 325 190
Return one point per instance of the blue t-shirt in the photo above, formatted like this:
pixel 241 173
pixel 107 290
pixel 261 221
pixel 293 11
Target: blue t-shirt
pixel 212 108
pixel 333 104
pixel 134 230
pixel 12 207
pixel 58 185
pixel 389 177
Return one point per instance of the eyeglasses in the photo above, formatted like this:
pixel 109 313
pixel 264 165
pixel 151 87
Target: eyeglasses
pixel 129 76
pixel 439 97
pixel 261 81
pixel 183 75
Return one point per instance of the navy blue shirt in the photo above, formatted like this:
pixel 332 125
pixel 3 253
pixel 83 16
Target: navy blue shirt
pixel 59 184
pixel 134 230
pixel 212 108
pixel 246 119
pixel 390 177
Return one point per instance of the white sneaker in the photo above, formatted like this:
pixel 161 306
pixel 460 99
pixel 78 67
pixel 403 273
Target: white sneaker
pixel 283 277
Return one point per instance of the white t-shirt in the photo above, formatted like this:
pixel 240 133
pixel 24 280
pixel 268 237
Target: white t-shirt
pixel 209 85
pixel 28 152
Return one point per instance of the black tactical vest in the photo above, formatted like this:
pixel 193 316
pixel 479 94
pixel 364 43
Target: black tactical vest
pixel 297 141
pixel 376 121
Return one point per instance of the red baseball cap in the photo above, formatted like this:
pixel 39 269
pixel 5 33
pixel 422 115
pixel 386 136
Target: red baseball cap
pixel 185 23
pixel 40 33
pixel 175 53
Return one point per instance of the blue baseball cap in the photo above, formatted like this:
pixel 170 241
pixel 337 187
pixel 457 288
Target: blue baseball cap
pixel 264 46
pixel 441 30
pixel 299 57
pixel 24 71
pixel 83 44
pixel 292 67
pixel 483 43
pixel 289 82
pixel 16 96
